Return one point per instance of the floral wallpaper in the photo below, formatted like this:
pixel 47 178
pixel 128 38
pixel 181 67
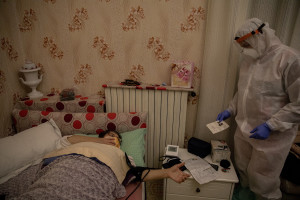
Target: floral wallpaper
pixel 7 47
pixel 86 43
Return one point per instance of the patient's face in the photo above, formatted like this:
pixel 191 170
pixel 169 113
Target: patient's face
pixel 112 134
pixel 115 135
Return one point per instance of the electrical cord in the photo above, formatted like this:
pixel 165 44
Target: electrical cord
pixel 163 158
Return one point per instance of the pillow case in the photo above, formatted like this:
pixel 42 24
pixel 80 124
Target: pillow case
pixel 27 148
pixel 52 103
pixel 133 143
pixel 84 123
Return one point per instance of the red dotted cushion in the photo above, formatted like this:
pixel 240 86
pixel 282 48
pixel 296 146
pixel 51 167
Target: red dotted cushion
pixel 52 103
pixel 84 123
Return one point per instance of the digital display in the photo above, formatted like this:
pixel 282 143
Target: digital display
pixel 173 149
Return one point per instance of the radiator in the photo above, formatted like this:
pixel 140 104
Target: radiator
pixel 166 114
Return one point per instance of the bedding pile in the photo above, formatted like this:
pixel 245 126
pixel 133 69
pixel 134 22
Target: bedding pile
pixel 38 163
pixel 67 177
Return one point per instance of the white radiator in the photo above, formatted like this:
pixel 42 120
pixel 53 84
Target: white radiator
pixel 166 114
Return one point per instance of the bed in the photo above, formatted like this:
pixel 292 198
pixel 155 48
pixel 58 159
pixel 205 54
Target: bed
pixel 33 161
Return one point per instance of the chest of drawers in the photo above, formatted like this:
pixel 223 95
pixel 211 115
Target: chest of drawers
pixel 219 189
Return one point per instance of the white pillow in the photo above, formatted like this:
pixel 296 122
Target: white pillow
pixel 27 148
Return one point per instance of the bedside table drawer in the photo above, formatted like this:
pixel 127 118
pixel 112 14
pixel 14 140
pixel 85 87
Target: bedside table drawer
pixel 190 187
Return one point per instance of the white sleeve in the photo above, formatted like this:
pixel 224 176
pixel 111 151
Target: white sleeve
pixel 64 142
pixel 289 115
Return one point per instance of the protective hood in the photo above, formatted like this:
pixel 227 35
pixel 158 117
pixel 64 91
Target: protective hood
pixel 268 92
pixel 260 42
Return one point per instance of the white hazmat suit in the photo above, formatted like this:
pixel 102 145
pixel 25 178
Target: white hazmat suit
pixel 268 92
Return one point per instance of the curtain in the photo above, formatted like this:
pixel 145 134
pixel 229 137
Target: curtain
pixel 219 70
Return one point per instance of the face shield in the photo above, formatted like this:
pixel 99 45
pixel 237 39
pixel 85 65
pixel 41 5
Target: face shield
pixel 247 44
pixel 248 35
pixel 247 51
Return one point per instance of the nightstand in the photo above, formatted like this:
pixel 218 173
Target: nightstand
pixel 219 189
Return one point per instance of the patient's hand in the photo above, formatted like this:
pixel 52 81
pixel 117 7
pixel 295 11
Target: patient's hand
pixel 107 140
pixel 176 174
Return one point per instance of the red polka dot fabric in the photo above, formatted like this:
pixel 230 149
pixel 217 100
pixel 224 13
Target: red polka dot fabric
pixel 89 116
pixel 68 118
pixel 77 124
pixel 111 116
pixel 23 113
pixel 85 123
pixel 52 103
pixel 28 102
pixel 135 120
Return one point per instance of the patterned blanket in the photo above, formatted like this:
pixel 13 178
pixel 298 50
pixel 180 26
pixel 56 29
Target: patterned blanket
pixel 67 177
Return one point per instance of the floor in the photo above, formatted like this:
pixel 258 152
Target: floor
pixel 154 190
pixel 240 193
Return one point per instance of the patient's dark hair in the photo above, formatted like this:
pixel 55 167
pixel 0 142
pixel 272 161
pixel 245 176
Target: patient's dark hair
pixel 103 133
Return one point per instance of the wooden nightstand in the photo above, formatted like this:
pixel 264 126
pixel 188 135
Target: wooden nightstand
pixel 219 189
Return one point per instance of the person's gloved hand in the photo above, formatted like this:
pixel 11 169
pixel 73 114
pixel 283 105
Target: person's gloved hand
pixel 261 132
pixel 223 115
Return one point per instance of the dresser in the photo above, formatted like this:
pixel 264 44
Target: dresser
pixel 219 189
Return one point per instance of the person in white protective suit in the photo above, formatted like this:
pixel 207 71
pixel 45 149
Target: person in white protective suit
pixel 266 107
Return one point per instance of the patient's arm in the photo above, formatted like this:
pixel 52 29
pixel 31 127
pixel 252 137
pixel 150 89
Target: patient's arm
pixel 174 173
pixel 78 138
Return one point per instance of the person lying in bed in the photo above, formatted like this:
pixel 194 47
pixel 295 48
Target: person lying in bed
pixel 114 138
pixel 86 168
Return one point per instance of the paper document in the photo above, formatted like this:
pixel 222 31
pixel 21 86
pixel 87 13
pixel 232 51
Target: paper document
pixel 201 170
pixel 216 127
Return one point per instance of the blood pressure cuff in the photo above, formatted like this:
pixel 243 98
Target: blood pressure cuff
pixel 172 162
pixel 137 172
pixel 134 173
pixel 199 147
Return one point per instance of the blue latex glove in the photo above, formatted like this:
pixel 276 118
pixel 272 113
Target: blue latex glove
pixel 261 132
pixel 223 115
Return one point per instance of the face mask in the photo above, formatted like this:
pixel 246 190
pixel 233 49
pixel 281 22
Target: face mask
pixel 250 53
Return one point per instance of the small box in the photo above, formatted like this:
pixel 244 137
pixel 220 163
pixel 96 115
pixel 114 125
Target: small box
pixel 67 95
pixel 182 74
pixel 198 147
pixel 219 150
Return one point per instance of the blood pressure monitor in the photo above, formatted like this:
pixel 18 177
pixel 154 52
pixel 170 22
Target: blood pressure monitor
pixel 172 150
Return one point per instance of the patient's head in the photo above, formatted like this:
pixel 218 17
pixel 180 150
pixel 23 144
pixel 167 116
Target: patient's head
pixel 114 134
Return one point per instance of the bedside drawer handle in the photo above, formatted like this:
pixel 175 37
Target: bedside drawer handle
pixel 198 190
